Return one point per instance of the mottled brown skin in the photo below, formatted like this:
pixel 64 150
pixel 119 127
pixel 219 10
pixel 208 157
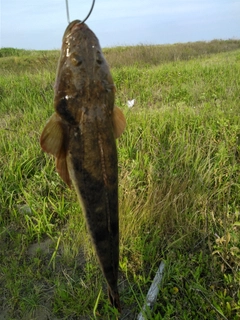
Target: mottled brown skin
pixel 84 99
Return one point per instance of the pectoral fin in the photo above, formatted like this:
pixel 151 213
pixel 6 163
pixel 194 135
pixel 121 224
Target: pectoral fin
pixel 54 140
pixel 119 122
pixel 52 137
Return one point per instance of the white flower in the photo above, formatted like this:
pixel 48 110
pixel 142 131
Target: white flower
pixel 130 103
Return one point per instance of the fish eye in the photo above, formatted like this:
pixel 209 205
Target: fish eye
pixel 76 59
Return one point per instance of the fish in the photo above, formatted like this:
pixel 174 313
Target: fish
pixel 81 134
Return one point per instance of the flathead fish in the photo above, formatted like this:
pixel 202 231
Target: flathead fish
pixel 81 136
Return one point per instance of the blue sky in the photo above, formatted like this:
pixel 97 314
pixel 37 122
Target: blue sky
pixel 30 24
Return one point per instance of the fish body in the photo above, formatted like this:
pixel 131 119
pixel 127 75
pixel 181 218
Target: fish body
pixel 81 135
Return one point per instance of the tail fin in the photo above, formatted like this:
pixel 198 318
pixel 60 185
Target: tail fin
pixel 114 299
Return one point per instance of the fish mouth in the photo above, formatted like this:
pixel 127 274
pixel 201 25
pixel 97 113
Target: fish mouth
pixel 76 24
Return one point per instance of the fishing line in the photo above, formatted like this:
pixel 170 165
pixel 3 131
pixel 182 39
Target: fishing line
pixel 68 17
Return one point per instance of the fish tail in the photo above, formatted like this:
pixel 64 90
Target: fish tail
pixel 113 297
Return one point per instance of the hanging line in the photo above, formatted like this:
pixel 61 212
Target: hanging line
pixel 68 18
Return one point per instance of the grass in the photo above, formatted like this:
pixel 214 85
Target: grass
pixel 179 189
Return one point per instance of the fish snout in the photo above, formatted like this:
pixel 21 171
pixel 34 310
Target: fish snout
pixel 78 25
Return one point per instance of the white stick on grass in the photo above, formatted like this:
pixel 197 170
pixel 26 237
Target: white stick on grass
pixel 152 292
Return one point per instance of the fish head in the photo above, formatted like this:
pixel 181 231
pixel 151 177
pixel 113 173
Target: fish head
pixel 82 68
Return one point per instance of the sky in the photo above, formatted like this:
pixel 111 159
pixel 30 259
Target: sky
pixel 40 24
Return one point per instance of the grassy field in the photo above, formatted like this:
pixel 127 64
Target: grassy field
pixel 179 180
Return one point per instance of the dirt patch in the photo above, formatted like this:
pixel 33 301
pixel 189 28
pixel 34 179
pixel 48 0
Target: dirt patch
pixel 3 315
pixel 46 247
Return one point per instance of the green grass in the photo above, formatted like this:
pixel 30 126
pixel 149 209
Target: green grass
pixel 179 179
